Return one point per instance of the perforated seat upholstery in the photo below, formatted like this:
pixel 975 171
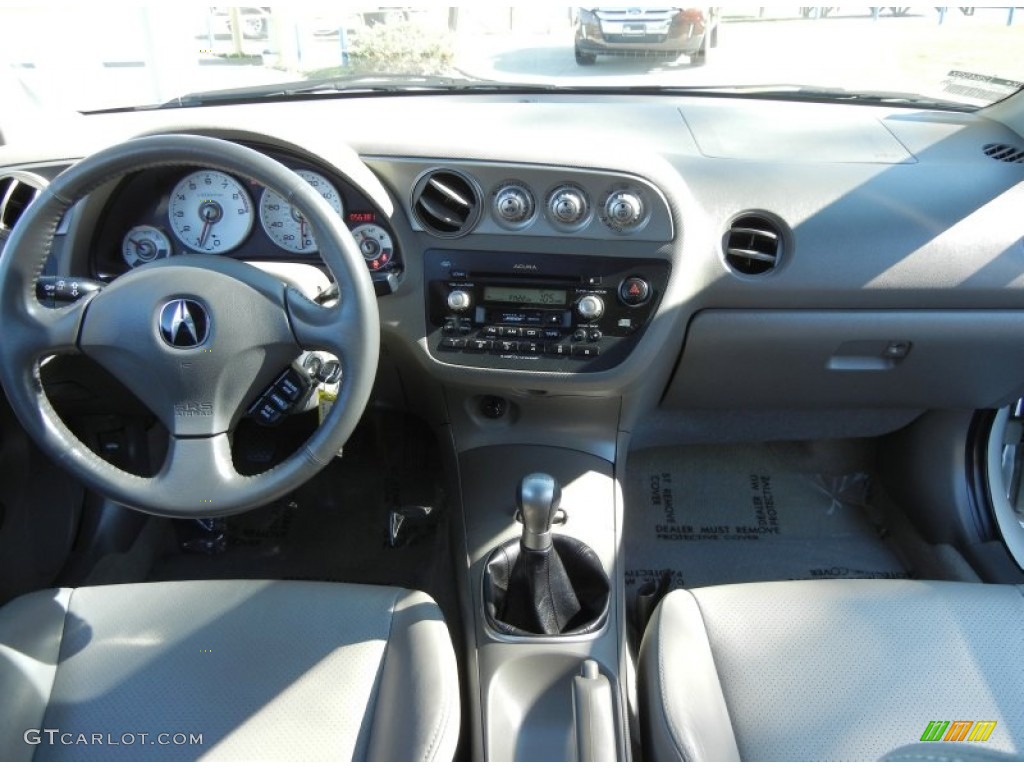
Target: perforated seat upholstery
pixel 255 669
pixel 832 670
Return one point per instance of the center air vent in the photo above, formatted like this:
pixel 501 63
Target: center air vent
pixel 753 245
pixel 15 197
pixel 1005 152
pixel 446 203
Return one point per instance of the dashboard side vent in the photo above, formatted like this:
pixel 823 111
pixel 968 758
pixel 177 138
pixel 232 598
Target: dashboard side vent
pixel 753 245
pixel 1005 152
pixel 446 203
pixel 15 197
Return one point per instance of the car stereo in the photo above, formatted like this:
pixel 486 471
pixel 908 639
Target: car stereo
pixel 550 312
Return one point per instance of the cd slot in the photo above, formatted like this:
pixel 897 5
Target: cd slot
pixel 507 277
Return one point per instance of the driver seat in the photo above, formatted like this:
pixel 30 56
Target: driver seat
pixel 255 670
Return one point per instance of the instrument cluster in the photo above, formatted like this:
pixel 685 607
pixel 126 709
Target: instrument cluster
pixel 162 213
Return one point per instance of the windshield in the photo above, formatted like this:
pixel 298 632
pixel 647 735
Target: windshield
pixel 90 57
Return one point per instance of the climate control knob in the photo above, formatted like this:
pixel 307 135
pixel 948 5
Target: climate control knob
pixel 568 206
pixel 459 301
pixel 623 210
pixel 590 307
pixel 513 205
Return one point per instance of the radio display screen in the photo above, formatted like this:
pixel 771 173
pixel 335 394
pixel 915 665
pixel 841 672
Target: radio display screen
pixel 545 297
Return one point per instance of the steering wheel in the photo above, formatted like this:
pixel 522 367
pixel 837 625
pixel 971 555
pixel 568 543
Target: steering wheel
pixel 242 327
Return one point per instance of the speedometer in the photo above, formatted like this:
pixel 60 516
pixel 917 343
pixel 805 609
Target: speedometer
pixel 210 212
pixel 285 224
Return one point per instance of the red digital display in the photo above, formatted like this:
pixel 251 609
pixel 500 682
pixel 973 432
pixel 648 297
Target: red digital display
pixel 362 218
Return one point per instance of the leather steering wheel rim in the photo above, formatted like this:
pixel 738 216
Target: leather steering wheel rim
pixel 118 328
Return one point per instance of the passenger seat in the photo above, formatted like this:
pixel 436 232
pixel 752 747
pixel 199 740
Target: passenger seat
pixel 835 670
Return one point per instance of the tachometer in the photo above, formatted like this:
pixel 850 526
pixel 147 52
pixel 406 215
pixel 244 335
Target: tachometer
pixel 210 212
pixel 375 244
pixel 144 244
pixel 285 225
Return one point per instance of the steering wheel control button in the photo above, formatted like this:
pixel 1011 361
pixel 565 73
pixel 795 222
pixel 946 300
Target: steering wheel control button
pixel 459 301
pixel 590 307
pixel 289 389
pixel 184 324
pixel 634 291
pixel 623 211
pixel 568 207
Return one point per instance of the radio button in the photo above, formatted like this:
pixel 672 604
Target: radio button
pixel 554 318
pixel 508 332
pixel 531 333
pixel 552 333
pixel 580 334
pixel 559 349
pixel 450 327
pixel 453 343
pixel 459 300
pixel 490 331
pixel 479 345
pixel 585 350
pixel 529 348
pixel 594 335
pixel 590 307
pixel 506 346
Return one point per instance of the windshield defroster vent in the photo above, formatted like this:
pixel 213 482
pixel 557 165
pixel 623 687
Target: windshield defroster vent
pixel 446 203
pixel 754 245
pixel 15 197
pixel 1005 152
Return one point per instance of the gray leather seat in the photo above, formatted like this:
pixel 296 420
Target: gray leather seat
pixel 257 669
pixel 832 670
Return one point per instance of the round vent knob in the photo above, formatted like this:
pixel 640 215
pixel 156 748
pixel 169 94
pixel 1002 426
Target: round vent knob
pixel 568 206
pixel 513 205
pixel 623 210
pixel 590 307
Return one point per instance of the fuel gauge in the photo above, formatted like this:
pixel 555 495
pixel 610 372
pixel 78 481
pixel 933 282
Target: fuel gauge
pixel 144 244
pixel 375 244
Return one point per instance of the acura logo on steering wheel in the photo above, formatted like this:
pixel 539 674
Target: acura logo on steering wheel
pixel 184 323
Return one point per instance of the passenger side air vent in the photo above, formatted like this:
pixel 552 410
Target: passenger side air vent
pixel 1005 152
pixel 446 203
pixel 753 245
pixel 15 197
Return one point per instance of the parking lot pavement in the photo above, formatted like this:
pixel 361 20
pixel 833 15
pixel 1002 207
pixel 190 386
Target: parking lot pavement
pixel 912 53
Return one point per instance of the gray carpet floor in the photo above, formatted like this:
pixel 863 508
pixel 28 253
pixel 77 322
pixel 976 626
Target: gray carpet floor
pixel 741 513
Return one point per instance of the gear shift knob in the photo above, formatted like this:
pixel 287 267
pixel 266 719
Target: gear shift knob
pixel 538 497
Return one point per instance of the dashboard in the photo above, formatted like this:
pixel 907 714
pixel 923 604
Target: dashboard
pixel 801 269
pixel 164 212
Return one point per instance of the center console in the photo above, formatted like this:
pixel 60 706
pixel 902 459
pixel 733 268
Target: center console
pixel 548 685
pixel 539 312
